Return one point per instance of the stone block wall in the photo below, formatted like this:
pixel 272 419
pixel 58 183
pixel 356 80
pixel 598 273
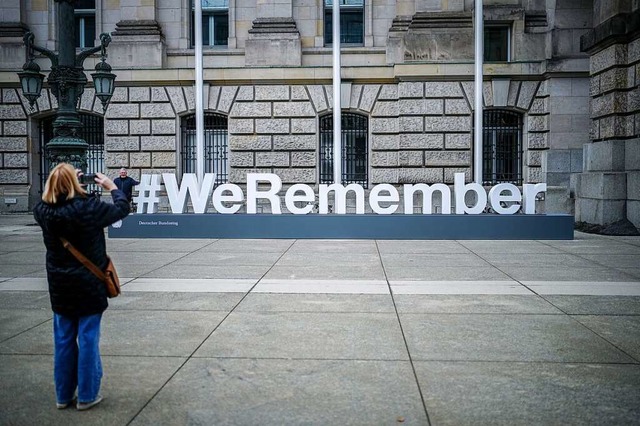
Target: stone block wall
pixel 607 189
pixel 568 106
pixel 419 132
pixel 141 127
pixel 614 92
pixel 272 129
pixel 14 152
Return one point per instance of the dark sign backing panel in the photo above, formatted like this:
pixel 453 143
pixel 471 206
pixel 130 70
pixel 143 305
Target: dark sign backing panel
pixel 348 226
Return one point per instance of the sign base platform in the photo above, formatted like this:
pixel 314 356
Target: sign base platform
pixel 348 226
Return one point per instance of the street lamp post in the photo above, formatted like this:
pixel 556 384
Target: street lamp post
pixel 67 81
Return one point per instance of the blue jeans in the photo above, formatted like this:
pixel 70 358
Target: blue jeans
pixel 76 360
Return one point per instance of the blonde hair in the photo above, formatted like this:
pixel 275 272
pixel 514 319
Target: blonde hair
pixel 62 181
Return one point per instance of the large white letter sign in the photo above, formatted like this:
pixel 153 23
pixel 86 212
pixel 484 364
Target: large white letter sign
pixel 375 198
pixel 291 198
pixel 461 191
pixel 340 197
pixel 227 198
pixel 427 197
pixel 272 194
pixel 219 198
pixel 178 197
pixel 496 198
pixel 147 198
pixel 529 197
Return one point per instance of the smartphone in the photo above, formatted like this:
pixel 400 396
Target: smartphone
pixel 88 178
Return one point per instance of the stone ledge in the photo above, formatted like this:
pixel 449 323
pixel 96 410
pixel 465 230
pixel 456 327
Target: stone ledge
pixel 137 27
pixel 621 28
pixel 13 29
pixel 274 25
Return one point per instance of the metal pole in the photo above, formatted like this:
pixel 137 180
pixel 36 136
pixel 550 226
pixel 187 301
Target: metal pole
pixel 477 112
pixel 199 93
pixel 337 110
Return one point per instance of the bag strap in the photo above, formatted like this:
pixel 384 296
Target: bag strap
pixel 86 262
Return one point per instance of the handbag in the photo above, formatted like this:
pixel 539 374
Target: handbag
pixel 109 276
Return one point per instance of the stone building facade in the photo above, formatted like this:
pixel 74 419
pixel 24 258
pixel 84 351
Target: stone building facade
pixel 408 75
pixel 608 189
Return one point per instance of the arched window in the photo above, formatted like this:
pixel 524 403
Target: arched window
pixel 92 133
pixel 216 149
pixel 502 147
pixel 355 149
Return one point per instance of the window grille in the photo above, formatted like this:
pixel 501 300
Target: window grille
pixel 351 22
pixel 502 147
pixel 85 23
pixel 355 152
pixel 92 133
pixel 216 150
pixel 215 23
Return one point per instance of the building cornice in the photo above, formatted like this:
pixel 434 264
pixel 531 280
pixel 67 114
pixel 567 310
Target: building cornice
pixel 622 28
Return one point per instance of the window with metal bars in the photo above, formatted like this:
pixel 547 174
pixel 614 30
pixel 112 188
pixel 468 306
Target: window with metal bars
pixel 92 133
pixel 502 147
pixel 216 149
pixel 355 150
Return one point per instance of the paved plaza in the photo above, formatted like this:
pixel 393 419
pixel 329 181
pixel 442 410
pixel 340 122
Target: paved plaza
pixel 337 332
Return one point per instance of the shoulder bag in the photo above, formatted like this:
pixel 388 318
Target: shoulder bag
pixel 109 276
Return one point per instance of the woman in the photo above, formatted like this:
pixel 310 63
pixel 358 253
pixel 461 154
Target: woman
pixel 78 297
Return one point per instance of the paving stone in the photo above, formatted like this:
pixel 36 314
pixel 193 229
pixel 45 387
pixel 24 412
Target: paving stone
pixel 127 386
pixel 621 331
pixel 174 301
pixel 558 273
pixel 234 258
pixel 322 272
pixel 470 393
pixel 473 304
pixel 270 392
pixel 433 259
pixel 490 337
pixel 263 302
pixel 15 321
pixel 596 305
pixel 307 335
pixel 203 271
pixel 441 273
pixel 25 300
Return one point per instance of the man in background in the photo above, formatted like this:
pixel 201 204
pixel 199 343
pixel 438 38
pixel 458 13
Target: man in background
pixel 125 184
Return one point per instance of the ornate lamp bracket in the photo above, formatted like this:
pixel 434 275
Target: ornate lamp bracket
pixel 67 81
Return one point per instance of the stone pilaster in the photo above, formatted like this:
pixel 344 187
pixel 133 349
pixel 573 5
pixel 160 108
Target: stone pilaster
pixel 426 36
pixel 12 28
pixel 274 38
pixel 137 44
pixel 12 50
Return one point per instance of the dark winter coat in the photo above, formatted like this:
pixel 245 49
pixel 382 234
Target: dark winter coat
pixel 126 185
pixel 73 289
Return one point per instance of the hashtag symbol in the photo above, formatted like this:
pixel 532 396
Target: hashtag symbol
pixel 148 194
